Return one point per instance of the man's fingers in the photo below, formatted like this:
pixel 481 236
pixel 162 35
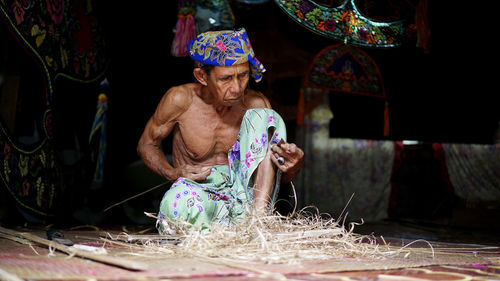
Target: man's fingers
pixel 198 169
pixel 283 166
pixel 292 148
pixel 205 171
pixel 200 174
pixel 277 159
pixel 288 150
pixel 196 173
pixel 277 149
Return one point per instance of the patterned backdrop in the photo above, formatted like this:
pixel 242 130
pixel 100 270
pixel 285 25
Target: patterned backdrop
pixel 344 23
pixel 64 38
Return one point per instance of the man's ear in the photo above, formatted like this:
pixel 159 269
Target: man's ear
pixel 201 76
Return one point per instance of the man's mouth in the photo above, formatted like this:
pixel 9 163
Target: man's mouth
pixel 233 98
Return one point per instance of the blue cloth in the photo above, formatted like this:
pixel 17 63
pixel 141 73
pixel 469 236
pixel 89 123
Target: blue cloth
pixel 225 48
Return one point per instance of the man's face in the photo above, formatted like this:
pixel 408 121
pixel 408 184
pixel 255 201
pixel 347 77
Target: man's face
pixel 228 83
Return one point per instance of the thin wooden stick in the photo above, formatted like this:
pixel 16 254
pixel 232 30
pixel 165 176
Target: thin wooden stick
pixel 15 239
pixel 123 263
pixel 132 197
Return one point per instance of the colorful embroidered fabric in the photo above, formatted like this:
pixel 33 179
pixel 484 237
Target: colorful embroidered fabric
pixel 225 48
pixel 344 68
pixel 64 36
pixel 227 194
pixel 347 69
pixel 344 23
pixel 31 175
pixel 65 39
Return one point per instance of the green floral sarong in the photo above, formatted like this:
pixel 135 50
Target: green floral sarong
pixel 227 194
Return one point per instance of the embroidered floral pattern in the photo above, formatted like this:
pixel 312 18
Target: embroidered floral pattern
pixel 56 10
pixel 344 23
pixel 347 69
pixel 31 177
pixel 59 32
pixel 225 48
pixel 193 198
pixel 18 12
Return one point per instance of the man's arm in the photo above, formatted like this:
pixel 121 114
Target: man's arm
pixel 160 125
pixel 290 152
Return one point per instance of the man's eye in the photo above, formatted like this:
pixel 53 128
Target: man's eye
pixel 225 79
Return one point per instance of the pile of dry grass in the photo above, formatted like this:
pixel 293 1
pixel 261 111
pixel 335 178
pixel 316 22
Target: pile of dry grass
pixel 275 239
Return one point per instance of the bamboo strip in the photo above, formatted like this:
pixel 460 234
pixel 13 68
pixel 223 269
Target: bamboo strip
pixel 110 260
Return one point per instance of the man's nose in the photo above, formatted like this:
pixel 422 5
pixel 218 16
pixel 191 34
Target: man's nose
pixel 235 85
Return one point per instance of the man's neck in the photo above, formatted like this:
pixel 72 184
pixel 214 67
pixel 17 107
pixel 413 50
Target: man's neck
pixel 208 98
pixel 222 109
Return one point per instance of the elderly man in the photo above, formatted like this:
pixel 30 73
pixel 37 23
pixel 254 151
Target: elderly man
pixel 227 142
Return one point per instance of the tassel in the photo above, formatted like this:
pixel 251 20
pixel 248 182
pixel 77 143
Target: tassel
pixel 185 29
pixel 98 132
pixel 386 120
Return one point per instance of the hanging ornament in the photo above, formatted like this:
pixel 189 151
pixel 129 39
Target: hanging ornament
pixel 185 29
pixel 97 137
pixel 344 23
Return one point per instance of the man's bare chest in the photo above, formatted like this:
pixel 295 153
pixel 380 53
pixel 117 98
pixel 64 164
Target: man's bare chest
pixel 203 138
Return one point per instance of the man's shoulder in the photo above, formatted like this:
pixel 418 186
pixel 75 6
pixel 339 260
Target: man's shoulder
pixel 255 99
pixel 180 96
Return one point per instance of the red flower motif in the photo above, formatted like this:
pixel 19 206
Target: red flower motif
pixel 363 34
pixel 220 45
pixel 26 187
pixel 48 125
pixel 6 151
pixel 248 159
pixel 330 25
pixel 18 12
pixel 300 15
pixel 56 10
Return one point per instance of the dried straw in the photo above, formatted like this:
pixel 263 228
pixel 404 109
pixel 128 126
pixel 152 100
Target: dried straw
pixel 301 236
pixel 273 239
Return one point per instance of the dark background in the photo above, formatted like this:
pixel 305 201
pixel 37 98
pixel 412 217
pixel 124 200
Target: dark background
pixel 447 95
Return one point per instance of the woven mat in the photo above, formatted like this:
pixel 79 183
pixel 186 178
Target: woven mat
pixel 39 263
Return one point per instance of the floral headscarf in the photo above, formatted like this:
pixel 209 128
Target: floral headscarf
pixel 225 48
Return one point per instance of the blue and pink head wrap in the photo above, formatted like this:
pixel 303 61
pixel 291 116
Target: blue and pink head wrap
pixel 225 48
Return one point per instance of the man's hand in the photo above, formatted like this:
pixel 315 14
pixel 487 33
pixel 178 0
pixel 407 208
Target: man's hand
pixel 193 172
pixel 291 159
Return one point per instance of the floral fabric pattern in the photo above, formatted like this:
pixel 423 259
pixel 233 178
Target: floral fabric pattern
pixel 32 177
pixel 344 23
pixel 347 69
pixel 225 48
pixel 64 36
pixel 65 39
pixel 227 193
